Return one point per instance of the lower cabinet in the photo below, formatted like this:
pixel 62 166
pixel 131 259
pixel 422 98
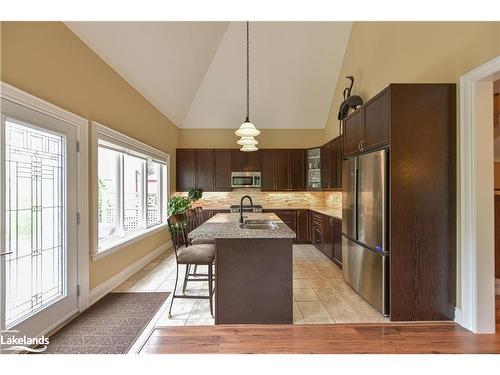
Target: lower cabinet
pixel 303 226
pixel 326 235
pixel 317 230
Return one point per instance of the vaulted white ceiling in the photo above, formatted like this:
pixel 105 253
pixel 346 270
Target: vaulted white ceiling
pixel 195 72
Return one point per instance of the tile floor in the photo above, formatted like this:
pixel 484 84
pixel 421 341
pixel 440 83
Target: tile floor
pixel 320 293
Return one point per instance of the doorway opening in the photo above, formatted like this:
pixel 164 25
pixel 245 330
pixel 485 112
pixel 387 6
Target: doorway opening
pixel 476 298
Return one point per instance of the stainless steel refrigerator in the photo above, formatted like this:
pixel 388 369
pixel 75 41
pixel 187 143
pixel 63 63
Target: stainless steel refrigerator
pixel 365 254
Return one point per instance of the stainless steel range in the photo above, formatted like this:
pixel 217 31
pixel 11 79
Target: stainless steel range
pixel 255 208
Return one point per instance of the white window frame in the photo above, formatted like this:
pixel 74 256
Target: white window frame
pixel 101 133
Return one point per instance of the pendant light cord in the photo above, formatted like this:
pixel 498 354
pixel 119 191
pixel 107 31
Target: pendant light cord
pixel 248 72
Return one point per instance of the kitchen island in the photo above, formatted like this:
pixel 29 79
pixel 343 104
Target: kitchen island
pixel 253 268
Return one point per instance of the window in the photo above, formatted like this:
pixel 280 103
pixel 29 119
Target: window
pixel 132 189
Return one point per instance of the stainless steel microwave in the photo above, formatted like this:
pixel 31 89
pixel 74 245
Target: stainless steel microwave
pixel 245 179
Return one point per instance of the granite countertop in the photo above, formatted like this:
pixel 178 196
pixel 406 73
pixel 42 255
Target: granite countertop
pixel 227 226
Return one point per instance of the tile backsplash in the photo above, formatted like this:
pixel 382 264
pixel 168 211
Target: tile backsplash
pixel 282 199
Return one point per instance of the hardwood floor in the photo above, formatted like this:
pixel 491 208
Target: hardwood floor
pixel 340 338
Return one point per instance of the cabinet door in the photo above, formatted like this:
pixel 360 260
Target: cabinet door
pixel 303 226
pixel 223 160
pixel 252 161
pixel 317 230
pixel 327 244
pixel 205 169
pixel 282 169
pixel 377 121
pixel 238 161
pixel 297 169
pixel 337 158
pixel 186 169
pixel 337 241
pixel 353 132
pixel 326 166
pixel 267 170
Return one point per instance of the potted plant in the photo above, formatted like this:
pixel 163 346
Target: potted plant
pixel 177 205
pixel 195 193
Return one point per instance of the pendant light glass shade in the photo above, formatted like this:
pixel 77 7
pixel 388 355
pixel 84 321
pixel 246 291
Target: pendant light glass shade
pixel 247 141
pixel 247 129
pixel 248 148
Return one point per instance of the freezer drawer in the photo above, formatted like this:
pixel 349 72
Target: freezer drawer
pixel 365 270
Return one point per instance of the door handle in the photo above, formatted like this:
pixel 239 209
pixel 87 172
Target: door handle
pixel 6 253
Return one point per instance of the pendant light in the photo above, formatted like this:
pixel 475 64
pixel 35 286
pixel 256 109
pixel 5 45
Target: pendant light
pixel 247 130
pixel 247 141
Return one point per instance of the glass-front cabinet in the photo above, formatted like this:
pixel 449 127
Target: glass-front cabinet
pixel 314 169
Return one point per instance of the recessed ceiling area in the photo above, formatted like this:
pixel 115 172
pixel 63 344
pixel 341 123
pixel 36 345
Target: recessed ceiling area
pixel 195 72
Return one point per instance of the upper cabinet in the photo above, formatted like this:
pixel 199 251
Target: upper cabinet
pixel 326 165
pixel 368 127
pixel 331 164
pixel 246 161
pixel 205 168
pixel 267 170
pixel 298 169
pixel 337 158
pixel 283 169
pixel 354 132
pixel 223 166
pixel 186 169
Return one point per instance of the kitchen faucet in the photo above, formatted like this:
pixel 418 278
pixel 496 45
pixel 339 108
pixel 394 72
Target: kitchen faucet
pixel 241 206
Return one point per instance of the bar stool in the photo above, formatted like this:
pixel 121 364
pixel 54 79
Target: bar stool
pixel 186 254
pixel 196 216
pixel 199 213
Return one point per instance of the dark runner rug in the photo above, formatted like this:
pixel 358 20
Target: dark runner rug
pixel 110 326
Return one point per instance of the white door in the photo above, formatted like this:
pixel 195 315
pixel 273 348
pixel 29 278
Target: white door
pixel 38 265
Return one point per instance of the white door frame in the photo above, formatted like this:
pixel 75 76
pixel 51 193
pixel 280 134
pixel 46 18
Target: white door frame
pixel 476 229
pixel 20 97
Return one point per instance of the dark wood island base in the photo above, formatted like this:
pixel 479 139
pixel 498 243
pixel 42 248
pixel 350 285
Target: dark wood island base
pixel 254 279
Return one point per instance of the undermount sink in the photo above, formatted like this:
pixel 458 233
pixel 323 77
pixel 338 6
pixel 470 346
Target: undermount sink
pixel 259 224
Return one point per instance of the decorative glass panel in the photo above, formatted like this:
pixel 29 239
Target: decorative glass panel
pixel 35 220
pixel 154 193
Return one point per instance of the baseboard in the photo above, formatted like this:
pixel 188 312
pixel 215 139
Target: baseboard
pixel 497 287
pixel 101 290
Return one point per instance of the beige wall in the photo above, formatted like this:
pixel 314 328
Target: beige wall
pixel 379 53
pixel 269 138
pixel 47 60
